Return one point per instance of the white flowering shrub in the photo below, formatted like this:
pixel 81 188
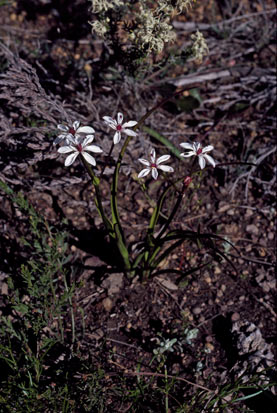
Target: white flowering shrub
pixel 137 29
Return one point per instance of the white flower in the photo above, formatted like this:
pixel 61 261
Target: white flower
pixel 118 127
pixel 77 147
pixel 70 132
pixel 154 165
pixel 195 149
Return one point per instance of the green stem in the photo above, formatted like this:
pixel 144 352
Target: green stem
pixel 98 200
pixel 114 207
pixel 71 309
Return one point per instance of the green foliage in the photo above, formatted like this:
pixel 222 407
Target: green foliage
pixel 37 304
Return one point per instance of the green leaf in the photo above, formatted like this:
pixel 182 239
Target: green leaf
pixel 161 139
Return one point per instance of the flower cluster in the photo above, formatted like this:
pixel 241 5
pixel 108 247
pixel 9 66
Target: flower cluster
pixel 77 140
pixel 199 47
pixel 99 6
pixel 144 26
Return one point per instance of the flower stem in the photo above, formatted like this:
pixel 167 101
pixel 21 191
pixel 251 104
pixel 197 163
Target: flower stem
pixel 98 200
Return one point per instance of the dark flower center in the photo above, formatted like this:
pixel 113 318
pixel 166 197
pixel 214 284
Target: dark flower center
pixel 199 151
pixel 153 165
pixel 119 127
pixel 72 131
pixel 79 147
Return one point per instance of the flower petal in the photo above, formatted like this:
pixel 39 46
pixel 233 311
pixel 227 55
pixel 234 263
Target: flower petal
pixel 108 120
pixel 187 155
pixel 129 124
pixel 207 149
pixel 85 129
pixel 71 158
pixel 117 137
pixel 88 139
pixel 59 138
pixel 144 161
pixel 162 159
pixel 155 173
pixel 129 132
pixel 93 148
pixel 90 159
pixel 209 159
pixel 67 149
pixel 119 118
pixel 153 156
pixel 76 125
pixel 166 168
pixel 202 162
pixel 186 145
pixel 63 128
pixel 143 173
pixel 196 146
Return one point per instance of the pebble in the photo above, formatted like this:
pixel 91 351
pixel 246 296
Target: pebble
pixel 208 279
pixel 167 284
pixel 107 304
pixel 209 346
pixel 196 310
pixel 249 212
pixel 209 339
pixel 114 283
pixel 224 208
pixel 270 236
pixel 235 317
pixel 231 212
pixel 252 229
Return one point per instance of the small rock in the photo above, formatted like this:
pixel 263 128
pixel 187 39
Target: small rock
pixel 224 208
pixel 209 347
pixel 4 289
pixel 235 317
pixel 231 212
pixel 252 229
pixel 97 221
pixel 107 304
pixel 249 212
pixel 209 339
pixel 167 284
pixel 132 238
pixel 113 283
pixel 270 236
pixel 196 310
pixel 208 279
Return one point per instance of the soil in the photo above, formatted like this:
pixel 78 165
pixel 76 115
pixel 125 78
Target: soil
pixel 124 320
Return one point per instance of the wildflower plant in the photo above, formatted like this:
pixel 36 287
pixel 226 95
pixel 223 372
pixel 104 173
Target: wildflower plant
pixel 159 240
pixel 136 30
